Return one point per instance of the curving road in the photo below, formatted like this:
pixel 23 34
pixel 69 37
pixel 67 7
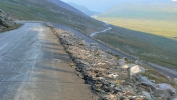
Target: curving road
pixel 34 66
pixel 93 34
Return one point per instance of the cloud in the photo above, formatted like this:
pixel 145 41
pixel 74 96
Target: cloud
pixel 174 0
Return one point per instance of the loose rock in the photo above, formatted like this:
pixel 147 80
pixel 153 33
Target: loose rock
pixel 110 78
pixel 167 87
pixel 137 69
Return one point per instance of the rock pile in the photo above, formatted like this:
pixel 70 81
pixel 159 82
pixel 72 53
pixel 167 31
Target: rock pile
pixel 109 77
pixel 5 20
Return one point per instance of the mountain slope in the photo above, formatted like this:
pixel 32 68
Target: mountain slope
pixel 154 35
pixel 83 9
pixel 66 6
pixel 142 10
pixel 46 10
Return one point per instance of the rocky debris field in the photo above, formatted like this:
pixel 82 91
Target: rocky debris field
pixel 111 78
pixel 5 21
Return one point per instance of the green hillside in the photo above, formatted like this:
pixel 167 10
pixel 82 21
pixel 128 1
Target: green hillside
pixel 47 11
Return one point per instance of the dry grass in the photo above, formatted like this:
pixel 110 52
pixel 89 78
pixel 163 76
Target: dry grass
pixel 166 28
pixel 160 48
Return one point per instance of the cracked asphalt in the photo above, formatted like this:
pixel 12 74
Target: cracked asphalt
pixel 34 66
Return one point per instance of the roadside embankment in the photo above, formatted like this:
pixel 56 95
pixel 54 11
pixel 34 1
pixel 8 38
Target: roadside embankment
pixel 112 78
pixel 6 22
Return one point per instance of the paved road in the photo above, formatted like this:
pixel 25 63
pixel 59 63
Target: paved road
pixel 34 66
pixel 93 34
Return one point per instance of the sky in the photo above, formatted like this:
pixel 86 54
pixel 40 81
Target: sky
pixel 102 5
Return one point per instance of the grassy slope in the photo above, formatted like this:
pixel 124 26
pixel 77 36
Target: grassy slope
pixel 147 47
pixel 46 11
pixel 154 36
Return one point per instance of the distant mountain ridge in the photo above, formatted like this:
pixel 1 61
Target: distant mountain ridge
pixel 141 10
pixel 66 6
pixel 83 9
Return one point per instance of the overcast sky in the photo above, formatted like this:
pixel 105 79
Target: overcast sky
pixel 101 5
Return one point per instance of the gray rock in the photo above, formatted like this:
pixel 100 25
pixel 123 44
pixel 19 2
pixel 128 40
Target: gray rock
pixel 162 93
pixel 175 99
pixel 147 95
pixel 122 62
pixel 167 87
pixel 144 80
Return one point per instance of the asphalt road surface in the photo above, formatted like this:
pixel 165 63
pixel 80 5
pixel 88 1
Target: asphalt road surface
pixel 34 66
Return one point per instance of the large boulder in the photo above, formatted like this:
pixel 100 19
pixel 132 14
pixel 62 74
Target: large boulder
pixel 162 93
pixel 137 69
pixel 167 87
pixel 122 61
pixel 147 95
pixel 144 80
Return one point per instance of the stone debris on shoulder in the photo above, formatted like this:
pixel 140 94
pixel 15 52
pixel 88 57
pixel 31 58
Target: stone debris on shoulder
pixel 109 77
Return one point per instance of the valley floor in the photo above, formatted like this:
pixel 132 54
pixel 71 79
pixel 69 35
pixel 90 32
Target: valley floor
pixel 165 28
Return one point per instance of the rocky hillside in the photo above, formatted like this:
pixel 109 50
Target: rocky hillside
pixel 52 11
pixel 5 21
